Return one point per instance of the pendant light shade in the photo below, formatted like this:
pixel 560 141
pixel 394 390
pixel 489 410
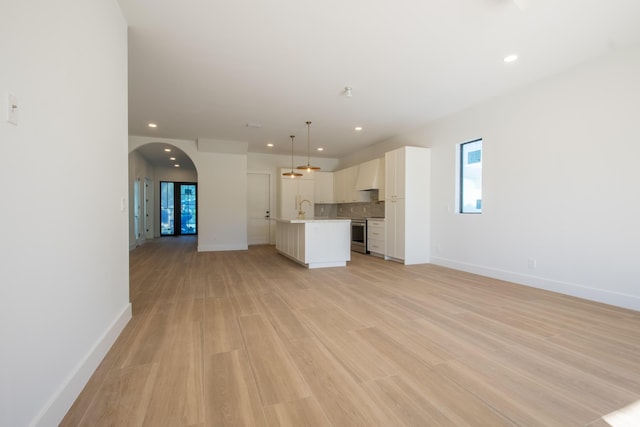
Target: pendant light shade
pixel 308 166
pixel 292 174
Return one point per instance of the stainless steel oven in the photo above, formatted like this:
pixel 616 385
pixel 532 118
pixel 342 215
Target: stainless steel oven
pixel 359 235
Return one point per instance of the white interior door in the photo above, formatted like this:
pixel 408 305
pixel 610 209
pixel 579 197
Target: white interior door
pixel 258 210
pixel 148 209
pixel 136 212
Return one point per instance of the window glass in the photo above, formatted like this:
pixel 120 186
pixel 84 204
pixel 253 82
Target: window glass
pixel 471 177
pixel 188 208
pixel 166 208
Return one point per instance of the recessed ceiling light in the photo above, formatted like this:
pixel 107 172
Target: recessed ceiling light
pixel 172 158
pixel 176 165
pixel 358 128
pixel 153 125
pixel 167 150
pixel 269 145
pixel 511 58
pixel 320 149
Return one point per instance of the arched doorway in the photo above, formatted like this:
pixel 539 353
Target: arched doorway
pixel 150 165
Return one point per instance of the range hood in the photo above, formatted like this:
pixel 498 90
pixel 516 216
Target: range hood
pixel 368 175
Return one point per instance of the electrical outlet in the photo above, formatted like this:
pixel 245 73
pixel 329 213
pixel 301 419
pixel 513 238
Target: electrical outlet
pixel 533 263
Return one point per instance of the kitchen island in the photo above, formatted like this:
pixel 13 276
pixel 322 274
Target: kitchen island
pixel 315 243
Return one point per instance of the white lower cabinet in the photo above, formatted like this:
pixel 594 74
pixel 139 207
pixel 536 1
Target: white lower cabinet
pixel 376 236
pixel 395 229
pixel 315 243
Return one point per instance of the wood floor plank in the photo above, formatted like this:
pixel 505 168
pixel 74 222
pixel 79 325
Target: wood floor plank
pixel 520 399
pixel 304 412
pixel 214 286
pixel 602 368
pixel 277 378
pixel 579 386
pixel 332 319
pixel 247 305
pixel 221 329
pixel 110 364
pixel 299 299
pixel 410 407
pixel 177 397
pixel 459 405
pixel 152 333
pixel 343 401
pixel 622 357
pixel 125 398
pixel 230 393
pixel 282 317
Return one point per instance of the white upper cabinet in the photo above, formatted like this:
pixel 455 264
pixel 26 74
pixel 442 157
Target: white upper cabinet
pixel 324 187
pixel 395 174
pixel 381 179
pixel 339 186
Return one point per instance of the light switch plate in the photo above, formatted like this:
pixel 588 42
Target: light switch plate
pixel 12 109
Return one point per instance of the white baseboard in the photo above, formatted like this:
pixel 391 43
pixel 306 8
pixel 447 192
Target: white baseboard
pixel 631 302
pixel 59 404
pixel 216 248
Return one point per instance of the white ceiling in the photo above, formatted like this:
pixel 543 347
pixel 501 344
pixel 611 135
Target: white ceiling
pixel 207 68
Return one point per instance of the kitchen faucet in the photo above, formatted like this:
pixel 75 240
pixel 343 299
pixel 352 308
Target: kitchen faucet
pixel 300 211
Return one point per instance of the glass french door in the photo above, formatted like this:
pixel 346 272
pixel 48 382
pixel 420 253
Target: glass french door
pixel 178 208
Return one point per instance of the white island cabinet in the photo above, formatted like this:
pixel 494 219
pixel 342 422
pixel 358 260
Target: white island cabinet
pixel 315 243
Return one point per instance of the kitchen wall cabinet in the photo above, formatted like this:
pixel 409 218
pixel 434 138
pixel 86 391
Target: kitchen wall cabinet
pixel 323 187
pixel 339 186
pixel 381 178
pixel 395 173
pixel 351 174
pixel 292 191
pixel 407 187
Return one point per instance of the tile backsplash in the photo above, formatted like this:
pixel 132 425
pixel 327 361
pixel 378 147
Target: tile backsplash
pixel 349 210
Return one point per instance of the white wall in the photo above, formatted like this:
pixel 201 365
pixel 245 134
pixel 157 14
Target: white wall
pixel 560 183
pixel 63 252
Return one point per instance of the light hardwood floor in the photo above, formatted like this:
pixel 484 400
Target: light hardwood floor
pixel 250 338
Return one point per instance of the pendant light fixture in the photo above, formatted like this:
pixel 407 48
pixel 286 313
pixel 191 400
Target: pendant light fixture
pixel 292 174
pixel 308 166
